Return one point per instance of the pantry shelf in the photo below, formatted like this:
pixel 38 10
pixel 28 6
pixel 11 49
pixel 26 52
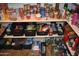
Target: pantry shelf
pixel 51 20
pixel 10 36
pixel 75 28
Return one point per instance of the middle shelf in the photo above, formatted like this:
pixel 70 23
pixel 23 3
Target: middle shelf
pixel 11 36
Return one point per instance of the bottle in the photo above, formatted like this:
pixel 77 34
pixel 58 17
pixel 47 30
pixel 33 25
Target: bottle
pixel 8 30
pixel 36 49
pixel 56 11
pixel 6 14
pixel 51 12
pixel 65 10
pixel 48 47
pixel 50 31
pixel 43 49
pixel 54 27
pixel 0 14
pixel 60 29
pixel 27 13
pixel 42 12
pixel 66 6
pixel 13 14
pixel 21 13
pixel 38 6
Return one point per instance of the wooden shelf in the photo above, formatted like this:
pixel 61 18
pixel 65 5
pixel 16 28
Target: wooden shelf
pixel 11 36
pixel 51 20
pixel 75 28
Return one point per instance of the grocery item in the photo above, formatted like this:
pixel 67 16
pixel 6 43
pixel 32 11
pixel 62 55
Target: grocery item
pixel 7 44
pixel 30 29
pixel 8 30
pixel 56 11
pixel 54 27
pixel 42 11
pixel 43 48
pixel 42 29
pixel 36 48
pixel 12 14
pixel 28 43
pixel 48 47
pixel 18 29
pixel 21 13
pixel 60 29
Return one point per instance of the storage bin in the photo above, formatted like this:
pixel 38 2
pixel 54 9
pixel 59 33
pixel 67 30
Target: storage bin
pixel 43 29
pixel 18 29
pixel 30 29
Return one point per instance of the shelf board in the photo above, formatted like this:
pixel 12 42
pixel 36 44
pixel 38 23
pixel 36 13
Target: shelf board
pixel 75 28
pixel 51 20
pixel 71 51
pixel 11 36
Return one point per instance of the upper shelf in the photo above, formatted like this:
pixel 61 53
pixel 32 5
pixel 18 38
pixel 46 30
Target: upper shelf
pixel 32 20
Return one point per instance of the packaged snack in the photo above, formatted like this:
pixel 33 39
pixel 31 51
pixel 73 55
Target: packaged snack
pixel 42 29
